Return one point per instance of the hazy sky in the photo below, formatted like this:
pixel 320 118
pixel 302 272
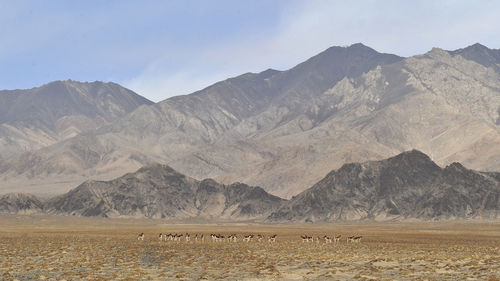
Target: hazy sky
pixel 165 48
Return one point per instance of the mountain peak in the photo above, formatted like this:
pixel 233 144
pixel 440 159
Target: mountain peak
pixel 414 153
pixel 477 46
pixel 479 54
pixel 359 45
pixel 356 47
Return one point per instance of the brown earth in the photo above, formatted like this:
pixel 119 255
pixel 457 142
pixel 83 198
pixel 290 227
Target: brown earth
pixel 68 248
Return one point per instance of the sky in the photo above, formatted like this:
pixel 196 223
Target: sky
pixel 161 49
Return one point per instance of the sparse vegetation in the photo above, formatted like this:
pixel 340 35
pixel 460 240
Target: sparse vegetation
pixel 55 248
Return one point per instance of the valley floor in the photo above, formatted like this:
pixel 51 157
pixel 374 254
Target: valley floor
pixel 68 248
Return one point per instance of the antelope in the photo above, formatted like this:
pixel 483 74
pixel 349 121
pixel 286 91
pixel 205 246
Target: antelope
pixel 141 236
pixel 357 239
pixel 160 237
pixel 169 237
pixel 233 237
pixel 178 237
pixel 217 237
pixel 337 238
pixel 272 238
pixel 260 237
pixel 350 239
pixel 196 238
pixel 202 238
pixel 306 238
pixel 247 238
pixel 327 239
pixel 188 237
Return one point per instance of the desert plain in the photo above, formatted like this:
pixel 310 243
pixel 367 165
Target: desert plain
pixel 73 248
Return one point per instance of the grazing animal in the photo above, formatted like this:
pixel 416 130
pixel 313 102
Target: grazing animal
pixel 260 237
pixel 357 239
pixel 178 237
pixel 217 237
pixel 160 237
pixel 247 238
pixel 233 237
pixel 140 237
pixel 306 238
pixel 170 237
pixel 350 239
pixel 327 239
pixel 272 238
pixel 188 237
pixel 337 238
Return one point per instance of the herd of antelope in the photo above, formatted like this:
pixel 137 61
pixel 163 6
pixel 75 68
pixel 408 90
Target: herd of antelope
pixel 247 238
pixel 328 239
pixel 215 237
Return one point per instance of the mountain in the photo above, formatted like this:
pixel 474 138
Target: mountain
pixel 19 203
pixel 38 117
pixel 175 130
pixel 407 186
pixel 284 130
pixel 158 191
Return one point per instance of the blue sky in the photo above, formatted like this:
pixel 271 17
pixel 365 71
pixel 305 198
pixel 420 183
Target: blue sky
pixel 165 48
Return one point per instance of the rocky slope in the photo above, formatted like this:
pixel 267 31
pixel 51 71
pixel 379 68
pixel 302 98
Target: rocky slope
pixel 38 117
pixel 20 203
pixel 175 130
pixel 157 191
pixel 284 130
pixel 407 186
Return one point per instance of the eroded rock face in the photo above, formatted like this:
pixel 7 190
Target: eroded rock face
pixel 284 130
pixel 407 186
pixel 19 203
pixel 158 191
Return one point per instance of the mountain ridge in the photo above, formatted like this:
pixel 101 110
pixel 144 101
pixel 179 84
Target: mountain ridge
pixel 284 130
pixel 158 191
pixel 407 186
pixel 38 117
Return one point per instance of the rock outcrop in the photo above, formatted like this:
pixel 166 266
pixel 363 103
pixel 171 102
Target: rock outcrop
pixel 407 186
pixel 158 191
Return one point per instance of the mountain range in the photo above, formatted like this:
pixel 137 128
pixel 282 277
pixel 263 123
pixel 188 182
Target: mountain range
pixel 284 130
pixel 407 186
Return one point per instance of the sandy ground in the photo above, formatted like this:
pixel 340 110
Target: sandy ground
pixel 67 248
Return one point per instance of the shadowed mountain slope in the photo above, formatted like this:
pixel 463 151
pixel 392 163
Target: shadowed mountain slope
pixel 20 203
pixel 157 191
pixel 409 185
